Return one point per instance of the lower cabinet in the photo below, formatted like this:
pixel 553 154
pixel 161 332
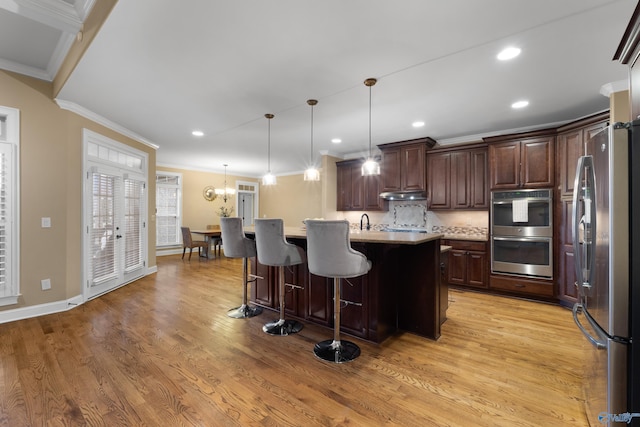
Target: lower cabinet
pixel 539 289
pixel 395 294
pixel 311 297
pixel 468 263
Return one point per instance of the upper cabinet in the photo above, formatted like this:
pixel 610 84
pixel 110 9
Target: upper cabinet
pixel 457 178
pixel 570 145
pixel 521 161
pixel 356 192
pixel 404 165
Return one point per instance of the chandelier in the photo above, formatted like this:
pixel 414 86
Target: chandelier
pixel 226 193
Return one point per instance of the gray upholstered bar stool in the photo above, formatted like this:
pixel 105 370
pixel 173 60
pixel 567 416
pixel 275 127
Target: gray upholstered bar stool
pixel 236 245
pixel 275 251
pixel 329 254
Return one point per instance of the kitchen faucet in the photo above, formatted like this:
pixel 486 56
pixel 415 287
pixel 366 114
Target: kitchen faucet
pixel 361 218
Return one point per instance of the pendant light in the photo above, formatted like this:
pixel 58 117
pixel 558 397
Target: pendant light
pixel 269 178
pixel 312 174
pixel 225 192
pixel 370 167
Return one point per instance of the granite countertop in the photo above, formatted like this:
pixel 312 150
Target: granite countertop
pixel 367 236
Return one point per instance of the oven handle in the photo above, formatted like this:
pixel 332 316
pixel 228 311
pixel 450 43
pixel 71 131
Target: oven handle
pixel 523 239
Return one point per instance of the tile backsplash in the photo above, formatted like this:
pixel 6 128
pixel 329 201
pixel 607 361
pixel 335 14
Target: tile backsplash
pixel 415 215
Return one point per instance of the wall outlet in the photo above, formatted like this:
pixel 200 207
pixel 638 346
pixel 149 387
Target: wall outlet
pixel 46 284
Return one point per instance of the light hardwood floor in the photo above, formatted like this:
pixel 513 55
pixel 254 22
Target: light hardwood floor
pixel 162 352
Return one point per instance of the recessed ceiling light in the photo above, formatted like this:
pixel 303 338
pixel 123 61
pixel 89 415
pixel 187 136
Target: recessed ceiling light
pixel 197 133
pixel 336 140
pixel 520 104
pixel 417 124
pixel 508 53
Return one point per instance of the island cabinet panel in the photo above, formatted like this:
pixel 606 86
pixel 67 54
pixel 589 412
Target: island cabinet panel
pixel 521 161
pixel 262 290
pixel 294 298
pixel 320 300
pixel 401 291
pixel 419 288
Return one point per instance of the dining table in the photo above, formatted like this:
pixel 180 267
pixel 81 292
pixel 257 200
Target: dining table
pixel 210 236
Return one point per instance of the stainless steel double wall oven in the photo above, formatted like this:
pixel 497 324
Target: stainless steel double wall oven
pixel 522 232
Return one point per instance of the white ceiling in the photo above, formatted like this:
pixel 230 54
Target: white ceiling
pixel 163 68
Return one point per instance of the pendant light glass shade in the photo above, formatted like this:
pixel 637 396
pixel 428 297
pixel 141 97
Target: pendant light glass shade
pixel 269 178
pixel 225 192
pixel 370 166
pixel 312 174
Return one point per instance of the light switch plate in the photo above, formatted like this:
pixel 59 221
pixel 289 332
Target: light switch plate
pixel 46 222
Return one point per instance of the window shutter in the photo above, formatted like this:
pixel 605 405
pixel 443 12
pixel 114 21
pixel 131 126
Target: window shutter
pixel 6 239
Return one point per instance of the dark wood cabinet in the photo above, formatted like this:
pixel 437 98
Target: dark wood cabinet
pixel 354 318
pixel 522 161
pixel 468 263
pixel 262 290
pixel 514 285
pixel 356 192
pixel 457 179
pixel 404 165
pixel 401 291
pixel 570 145
pixel 439 180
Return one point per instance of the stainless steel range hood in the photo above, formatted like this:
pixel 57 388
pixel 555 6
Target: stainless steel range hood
pixel 404 195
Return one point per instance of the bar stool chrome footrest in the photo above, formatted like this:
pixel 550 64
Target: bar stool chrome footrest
pixel 244 311
pixel 282 327
pixel 336 351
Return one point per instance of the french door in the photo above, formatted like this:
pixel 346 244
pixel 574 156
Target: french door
pixel 115 204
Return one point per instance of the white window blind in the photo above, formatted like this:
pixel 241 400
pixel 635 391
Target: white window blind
pixel 133 223
pixel 168 209
pixel 103 233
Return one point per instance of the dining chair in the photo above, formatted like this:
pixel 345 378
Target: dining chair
pixel 188 242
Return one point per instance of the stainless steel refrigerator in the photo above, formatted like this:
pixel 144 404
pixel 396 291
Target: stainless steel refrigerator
pixel 605 235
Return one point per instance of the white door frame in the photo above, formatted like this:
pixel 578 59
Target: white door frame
pixel 103 154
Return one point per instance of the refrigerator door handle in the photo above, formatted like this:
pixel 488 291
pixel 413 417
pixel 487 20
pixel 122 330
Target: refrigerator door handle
pixel 599 344
pixel 585 256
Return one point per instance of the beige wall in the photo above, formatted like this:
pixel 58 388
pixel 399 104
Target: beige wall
pixel 51 186
pixel 620 107
pixel 293 199
pixel 197 212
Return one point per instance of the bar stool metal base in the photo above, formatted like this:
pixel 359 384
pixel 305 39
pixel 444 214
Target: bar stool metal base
pixel 336 352
pixel 244 311
pixel 282 327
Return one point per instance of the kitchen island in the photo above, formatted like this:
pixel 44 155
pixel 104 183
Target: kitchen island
pixel 402 291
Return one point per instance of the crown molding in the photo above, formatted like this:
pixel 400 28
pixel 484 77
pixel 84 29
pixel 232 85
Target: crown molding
pixel 81 111
pixel 613 87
